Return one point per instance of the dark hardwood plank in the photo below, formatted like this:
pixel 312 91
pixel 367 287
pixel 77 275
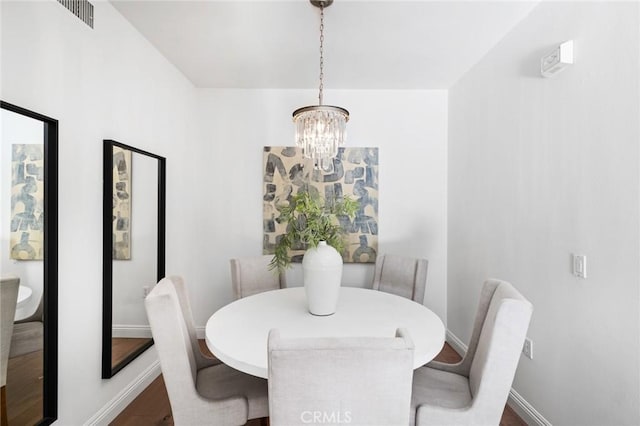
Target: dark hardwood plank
pixel 24 389
pixel 152 407
pixel 3 407
pixel 205 350
pixel 510 418
pixel 448 355
pixel 121 347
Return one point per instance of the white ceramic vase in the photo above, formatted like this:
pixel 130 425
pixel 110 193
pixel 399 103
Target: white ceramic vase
pixel 322 273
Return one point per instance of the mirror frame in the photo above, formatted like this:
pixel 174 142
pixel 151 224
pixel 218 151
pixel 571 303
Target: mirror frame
pixel 50 262
pixel 109 370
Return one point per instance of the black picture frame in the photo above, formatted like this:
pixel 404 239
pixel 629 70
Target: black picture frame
pixel 109 370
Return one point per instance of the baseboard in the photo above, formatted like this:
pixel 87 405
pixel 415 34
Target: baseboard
pixel 457 344
pixel 200 332
pixel 522 408
pixel 125 397
pixel 526 410
pixel 131 331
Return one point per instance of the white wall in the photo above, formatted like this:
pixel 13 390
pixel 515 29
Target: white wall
pixel 17 129
pixel 542 168
pixel 409 127
pixel 105 83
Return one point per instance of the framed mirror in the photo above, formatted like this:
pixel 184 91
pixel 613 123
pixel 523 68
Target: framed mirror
pixel 133 251
pixel 29 238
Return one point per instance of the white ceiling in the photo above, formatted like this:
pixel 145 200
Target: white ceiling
pixel 368 44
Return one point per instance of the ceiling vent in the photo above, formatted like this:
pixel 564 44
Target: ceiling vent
pixel 81 8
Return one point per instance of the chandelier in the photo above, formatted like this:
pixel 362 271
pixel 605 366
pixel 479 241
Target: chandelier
pixel 320 129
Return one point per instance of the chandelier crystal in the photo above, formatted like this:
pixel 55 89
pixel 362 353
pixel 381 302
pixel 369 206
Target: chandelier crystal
pixel 320 129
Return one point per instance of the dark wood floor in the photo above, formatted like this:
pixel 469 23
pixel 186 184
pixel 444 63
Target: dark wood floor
pixel 24 389
pixel 121 347
pixel 152 407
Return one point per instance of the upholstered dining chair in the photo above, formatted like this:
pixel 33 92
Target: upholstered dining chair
pixel 216 394
pixel 403 276
pixel 474 391
pixel 357 381
pixel 251 275
pixel 8 301
pixel 202 360
pixel 28 333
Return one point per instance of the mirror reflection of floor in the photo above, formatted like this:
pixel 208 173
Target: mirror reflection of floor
pixel 24 389
pixel 121 347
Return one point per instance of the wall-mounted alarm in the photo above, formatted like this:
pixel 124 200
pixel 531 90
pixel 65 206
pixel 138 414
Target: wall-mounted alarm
pixel 557 60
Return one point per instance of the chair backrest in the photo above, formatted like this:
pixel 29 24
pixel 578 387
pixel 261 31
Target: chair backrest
pixel 37 315
pixel 187 313
pixel 173 344
pixel 361 381
pixel 499 345
pixel 179 364
pixel 8 301
pixel 403 276
pixel 251 275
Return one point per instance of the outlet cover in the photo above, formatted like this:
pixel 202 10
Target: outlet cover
pixel 527 348
pixel 580 265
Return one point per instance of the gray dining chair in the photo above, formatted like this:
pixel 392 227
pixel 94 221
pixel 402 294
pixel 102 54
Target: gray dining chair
pixel 202 360
pixel 215 394
pixel 474 391
pixel 251 275
pixel 8 301
pixel 403 276
pixel 355 380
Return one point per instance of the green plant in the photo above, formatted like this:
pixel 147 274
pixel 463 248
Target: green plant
pixel 310 219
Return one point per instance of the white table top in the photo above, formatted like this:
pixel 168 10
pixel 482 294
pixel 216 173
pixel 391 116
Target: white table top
pixel 237 333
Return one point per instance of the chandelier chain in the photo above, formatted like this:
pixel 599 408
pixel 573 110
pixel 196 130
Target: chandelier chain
pixel 321 55
pixel 320 129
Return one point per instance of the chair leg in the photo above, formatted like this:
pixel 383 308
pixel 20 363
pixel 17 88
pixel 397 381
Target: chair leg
pixel 3 406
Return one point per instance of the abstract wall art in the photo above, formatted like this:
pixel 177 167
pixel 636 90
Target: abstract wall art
pixel 27 202
pixel 354 172
pixel 121 203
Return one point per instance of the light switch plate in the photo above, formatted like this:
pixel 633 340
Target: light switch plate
pixel 580 265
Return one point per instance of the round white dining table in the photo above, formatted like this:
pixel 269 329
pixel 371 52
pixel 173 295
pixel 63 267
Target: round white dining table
pixel 237 333
pixel 24 294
